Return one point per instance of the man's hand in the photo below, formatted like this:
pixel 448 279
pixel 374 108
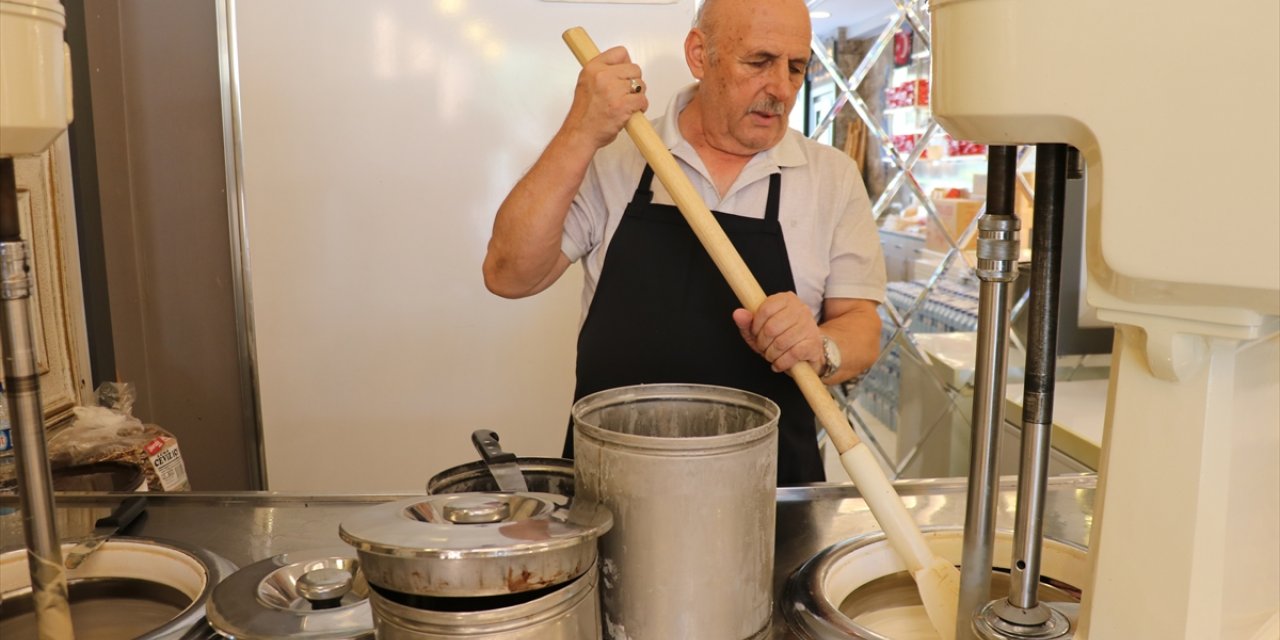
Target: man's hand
pixel 783 331
pixel 605 98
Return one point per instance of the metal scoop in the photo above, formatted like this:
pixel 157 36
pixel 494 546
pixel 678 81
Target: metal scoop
pixel 506 471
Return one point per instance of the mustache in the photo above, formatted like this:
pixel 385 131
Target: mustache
pixel 768 106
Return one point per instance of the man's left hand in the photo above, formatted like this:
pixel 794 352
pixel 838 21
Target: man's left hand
pixel 783 331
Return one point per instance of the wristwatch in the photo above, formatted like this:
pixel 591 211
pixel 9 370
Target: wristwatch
pixel 830 358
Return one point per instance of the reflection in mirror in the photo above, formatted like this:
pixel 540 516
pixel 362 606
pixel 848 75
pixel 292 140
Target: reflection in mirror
pixel 867 93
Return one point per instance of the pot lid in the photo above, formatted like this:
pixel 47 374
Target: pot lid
pixel 475 525
pixel 318 593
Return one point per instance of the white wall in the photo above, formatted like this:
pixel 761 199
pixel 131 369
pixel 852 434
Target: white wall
pixel 378 139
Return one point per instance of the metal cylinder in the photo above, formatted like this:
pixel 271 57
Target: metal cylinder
pixel 568 613
pixel 1037 413
pixel 689 472
pixel 997 269
pixel 26 413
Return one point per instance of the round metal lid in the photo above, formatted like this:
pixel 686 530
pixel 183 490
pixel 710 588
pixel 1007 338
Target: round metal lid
pixel 270 598
pixel 475 525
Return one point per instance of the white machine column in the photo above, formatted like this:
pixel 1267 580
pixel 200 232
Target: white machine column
pixel 1210 446
pixel 1181 139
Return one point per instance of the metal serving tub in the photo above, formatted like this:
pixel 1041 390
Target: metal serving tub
pixel 499 566
pixel 689 473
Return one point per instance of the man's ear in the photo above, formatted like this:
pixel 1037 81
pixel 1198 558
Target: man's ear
pixel 695 52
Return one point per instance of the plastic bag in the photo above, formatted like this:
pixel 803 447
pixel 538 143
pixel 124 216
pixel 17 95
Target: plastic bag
pixel 111 433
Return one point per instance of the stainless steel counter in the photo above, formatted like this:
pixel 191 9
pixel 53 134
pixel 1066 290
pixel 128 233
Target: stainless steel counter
pixel 246 527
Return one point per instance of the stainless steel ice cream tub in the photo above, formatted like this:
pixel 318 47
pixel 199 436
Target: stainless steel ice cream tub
pixel 569 611
pixel 129 588
pixel 498 566
pixel 689 473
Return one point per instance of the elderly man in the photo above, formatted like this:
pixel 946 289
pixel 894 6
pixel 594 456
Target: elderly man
pixel 655 307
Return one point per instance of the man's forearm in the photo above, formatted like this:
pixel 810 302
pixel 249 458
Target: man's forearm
pixel 524 250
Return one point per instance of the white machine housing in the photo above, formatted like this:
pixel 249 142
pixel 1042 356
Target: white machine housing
pixel 1176 110
pixel 35 79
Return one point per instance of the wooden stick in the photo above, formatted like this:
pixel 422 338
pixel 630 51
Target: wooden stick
pixel 933 575
pixel 722 251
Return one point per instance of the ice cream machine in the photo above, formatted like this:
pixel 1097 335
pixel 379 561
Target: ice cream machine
pixel 1174 110
pixel 35 108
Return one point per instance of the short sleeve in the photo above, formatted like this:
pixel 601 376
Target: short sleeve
pixel 857 261
pixel 585 223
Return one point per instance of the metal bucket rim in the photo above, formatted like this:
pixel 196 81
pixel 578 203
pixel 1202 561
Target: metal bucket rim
pixel 480 469
pixel 636 394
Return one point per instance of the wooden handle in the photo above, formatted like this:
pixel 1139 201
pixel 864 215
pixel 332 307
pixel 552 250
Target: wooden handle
pixel 722 251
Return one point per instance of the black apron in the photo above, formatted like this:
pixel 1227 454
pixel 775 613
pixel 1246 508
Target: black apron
pixel 662 313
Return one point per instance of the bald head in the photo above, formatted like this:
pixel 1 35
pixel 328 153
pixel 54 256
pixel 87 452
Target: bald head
pixel 749 57
pixel 715 16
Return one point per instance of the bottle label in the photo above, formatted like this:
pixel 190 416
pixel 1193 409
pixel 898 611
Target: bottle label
pixel 166 460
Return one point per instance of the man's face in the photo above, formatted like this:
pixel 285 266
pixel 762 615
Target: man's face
pixel 751 72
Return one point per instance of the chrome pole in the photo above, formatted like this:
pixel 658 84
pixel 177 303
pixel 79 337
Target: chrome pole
pixel 997 269
pixel 1022 615
pixel 22 391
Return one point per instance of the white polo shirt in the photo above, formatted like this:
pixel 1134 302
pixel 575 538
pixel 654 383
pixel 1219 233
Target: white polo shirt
pixel 831 237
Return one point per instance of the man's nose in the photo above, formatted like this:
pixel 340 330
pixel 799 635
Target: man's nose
pixel 779 83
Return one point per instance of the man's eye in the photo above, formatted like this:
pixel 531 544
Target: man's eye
pixel 759 64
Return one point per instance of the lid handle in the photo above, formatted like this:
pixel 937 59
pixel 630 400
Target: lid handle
pixel 324 588
pixel 477 511
pixel 486 443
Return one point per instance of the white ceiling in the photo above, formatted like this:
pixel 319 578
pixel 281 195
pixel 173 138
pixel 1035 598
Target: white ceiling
pixel 860 16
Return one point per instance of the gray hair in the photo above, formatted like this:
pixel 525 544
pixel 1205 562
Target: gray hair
pixel 700 23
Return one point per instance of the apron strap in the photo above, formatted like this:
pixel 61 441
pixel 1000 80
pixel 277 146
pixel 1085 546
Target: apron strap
pixel 775 188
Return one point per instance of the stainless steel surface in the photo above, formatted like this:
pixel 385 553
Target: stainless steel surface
pixel 268 599
pixel 475 544
pixel 26 413
pixel 997 268
pixel 242 291
pixel 993 623
pixel 140 569
pixel 1023 606
pixel 324 587
pixel 104 528
pixel 571 612
pixel 246 527
pixel 689 472
pixel 543 475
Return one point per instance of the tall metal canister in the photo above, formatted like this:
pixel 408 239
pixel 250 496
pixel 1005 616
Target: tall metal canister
pixel 689 473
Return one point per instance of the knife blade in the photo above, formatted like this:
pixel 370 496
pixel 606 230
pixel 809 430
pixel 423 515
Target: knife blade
pixel 123 516
pixel 506 471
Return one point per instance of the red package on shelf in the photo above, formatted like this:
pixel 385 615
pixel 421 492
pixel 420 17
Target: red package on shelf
pixel 920 91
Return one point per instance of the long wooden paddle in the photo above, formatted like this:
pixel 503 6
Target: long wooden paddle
pixel 937 579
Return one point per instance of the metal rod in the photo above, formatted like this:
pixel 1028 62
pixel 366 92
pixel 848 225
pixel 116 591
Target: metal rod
pixel 22 391
pixel 997 269
pixel 1037 412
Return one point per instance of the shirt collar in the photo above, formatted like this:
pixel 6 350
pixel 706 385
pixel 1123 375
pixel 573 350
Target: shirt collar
pixel 787 153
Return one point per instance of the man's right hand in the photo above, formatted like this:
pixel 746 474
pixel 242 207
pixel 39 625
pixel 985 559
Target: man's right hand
pixel 605 98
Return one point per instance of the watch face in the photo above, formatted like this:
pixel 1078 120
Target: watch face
pixel 831 354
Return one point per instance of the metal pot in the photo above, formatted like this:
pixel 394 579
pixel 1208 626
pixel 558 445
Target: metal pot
pixel 130 587
pixel 570 612
pixel 543 475
pixel 689 472
pixel 480 565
